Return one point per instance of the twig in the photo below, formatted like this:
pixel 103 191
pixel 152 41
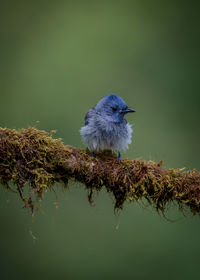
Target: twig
pixel 31 157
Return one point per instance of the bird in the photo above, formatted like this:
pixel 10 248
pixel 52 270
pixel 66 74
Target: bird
pixel 106 127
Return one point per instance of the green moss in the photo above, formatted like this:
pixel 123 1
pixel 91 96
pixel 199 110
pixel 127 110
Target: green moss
pixel 32 159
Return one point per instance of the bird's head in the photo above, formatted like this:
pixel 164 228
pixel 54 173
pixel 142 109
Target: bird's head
pixel 113 108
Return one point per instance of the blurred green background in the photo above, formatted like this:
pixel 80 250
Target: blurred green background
pixel 57 59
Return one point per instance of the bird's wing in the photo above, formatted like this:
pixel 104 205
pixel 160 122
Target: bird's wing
pixel 88 116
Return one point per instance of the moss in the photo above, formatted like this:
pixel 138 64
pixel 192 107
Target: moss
pixel 32 160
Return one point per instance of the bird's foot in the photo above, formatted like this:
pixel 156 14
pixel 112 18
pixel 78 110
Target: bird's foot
pixel 93 154
pixel 119 157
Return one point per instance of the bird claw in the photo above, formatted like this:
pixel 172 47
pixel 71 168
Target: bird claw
pixel 92 154
pixel 119 157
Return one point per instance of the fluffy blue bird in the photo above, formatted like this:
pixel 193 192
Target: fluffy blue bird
pixel 106 127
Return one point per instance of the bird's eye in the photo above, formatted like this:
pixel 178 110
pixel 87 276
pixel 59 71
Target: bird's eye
pixel 114 109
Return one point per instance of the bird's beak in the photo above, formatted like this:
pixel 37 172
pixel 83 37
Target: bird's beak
pixel 127 110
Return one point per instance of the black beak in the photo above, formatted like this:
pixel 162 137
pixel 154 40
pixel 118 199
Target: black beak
pixel 127 110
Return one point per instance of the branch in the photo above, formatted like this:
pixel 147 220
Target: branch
pixel 32 160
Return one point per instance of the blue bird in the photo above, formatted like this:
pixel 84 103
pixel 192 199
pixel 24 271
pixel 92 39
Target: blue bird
pixel 106 127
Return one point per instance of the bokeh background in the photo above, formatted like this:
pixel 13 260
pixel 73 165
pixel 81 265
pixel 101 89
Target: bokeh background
pixel 57 59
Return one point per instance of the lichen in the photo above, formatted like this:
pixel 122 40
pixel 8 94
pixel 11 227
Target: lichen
pixel 32 160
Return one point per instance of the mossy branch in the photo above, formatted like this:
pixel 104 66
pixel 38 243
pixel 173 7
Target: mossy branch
pixel 31 157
